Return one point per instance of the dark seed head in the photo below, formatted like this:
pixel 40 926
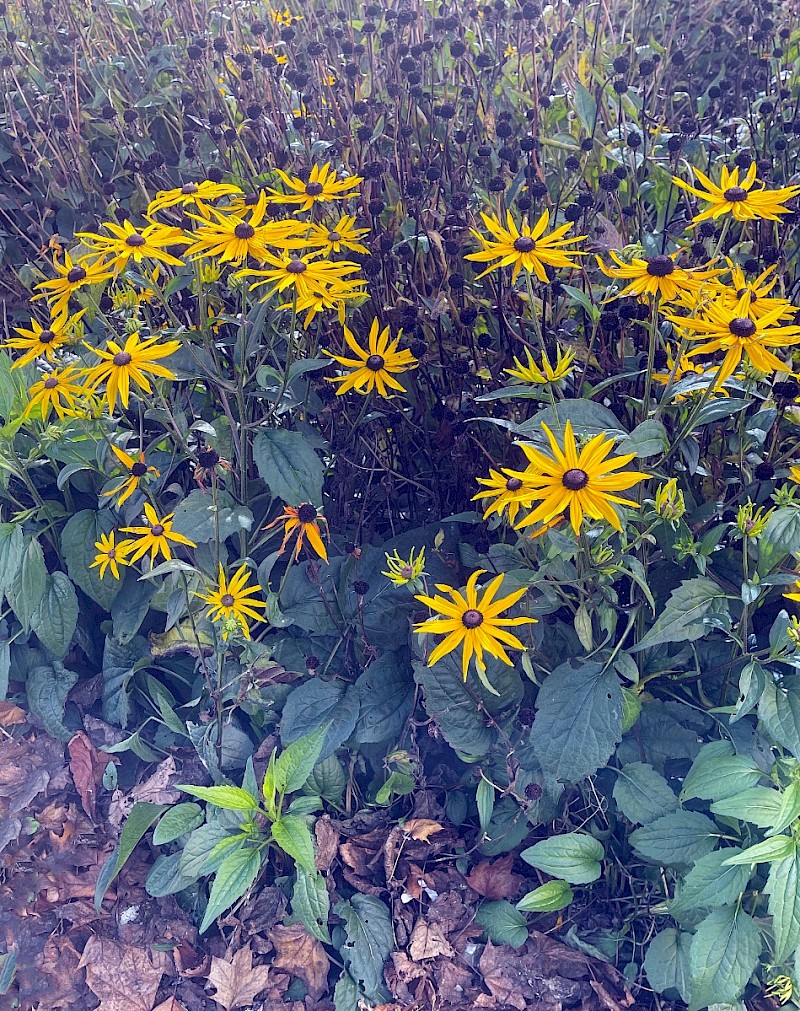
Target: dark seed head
pixel 135 240
pixel 574 479
pixel 244 231
pixel 139 469
pixel 208 458
pixel 76 274
pixel 472 618
pixel 314 189
pixel 157 530
pixel 189 188
pixel 660 266
pixel 735 194
pixel 297 266
pixel 375 363
pixel 50 383
pixel 513 484
pixel 227 600
pixel 524 244
pixel 334 237
pixel 46 336
pixel 741 326
pixel 361 587
pixel 121 359
pixel 306 513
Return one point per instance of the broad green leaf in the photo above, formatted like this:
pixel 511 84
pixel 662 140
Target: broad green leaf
pixel 667 962
pixel 316 702
pixel 47 688
pixel 294 837
pixel 783 889
pixel 722 956
pixel 586 111
pixel 780 537
pixel 647 439
pixel 311 903
pixel 130 606
pixel 547 898
pixel 790 808
pixel 677 838
pixel 288 464
pixel 751 687
pixel 711 883
pixel 776 848
pixel 503 923
pixel 683 614
pixel 642 794
pixel 760 806
pixel 196 856
pixel 575 857
pixel 201 519
pixel 12 544
pixel 139 820
pixel 779 711
pixel 55 619
pixel 386 697
pixel 29 584
pixel 346 995
pixel 293 766
pixel 327 780
pixel 231 798
pixel 177 822
pixel 120 660
pixel 720 778
pixel 78 547
pixel 484 798
pixel 166 877
pixel 578 720
pixel 369 942
pixel 236 874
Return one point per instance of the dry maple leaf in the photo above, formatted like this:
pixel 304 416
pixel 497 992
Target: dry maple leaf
pixel 124 978
pixel 170 1004
pixel 300 954
pixel 428 941
pixel 421 829
pixel 495 879
pixel 237 982
pixel 87 765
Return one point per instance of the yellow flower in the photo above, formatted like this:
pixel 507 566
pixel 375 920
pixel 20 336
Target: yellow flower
pixel 127 242
pixel 137 469
pixel 303 274
pixel 738 197
pixel 751 519
pixel 156 537
pixel 581 483
pixel 374 367
pixel 191 193
pixel 232 237
pixel 133 361
pixel 509 491
pixel 472 623
pixel 546 372
pixel 686 367
pixel 654 275
pixel 669 501
pixel 305 521
pixel 39 340
pixel 335 238
pixel 314 302
pixel 57 391
pixel 233 599
pixel 760 287
pixel 526 248
pixel 322 186
pixel 733 330
pixel 794 473
pixel 285 17
pixel 405 572
pixel 71 277
pixel 110 554
pixel 780 989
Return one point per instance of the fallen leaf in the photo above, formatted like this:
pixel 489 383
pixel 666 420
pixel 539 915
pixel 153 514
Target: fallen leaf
pixel 494 879
pixel 300 954
pixel 237 982
pixel 421 829
pixel 87 765
pixel 11 715
pixel 428 941
pixel 170 1004
pixel 124 978
pixel 156 789
pixel 327 839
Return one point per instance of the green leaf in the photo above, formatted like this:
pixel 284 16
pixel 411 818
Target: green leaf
pixel 120 660
pixel 484 798
pixel 676 839
pixel 294 764
pixel 779 711
pixel 578 722
pixel 196 857
pixel 711 883
pixel 647 439
pixel 667 962
pixel 585 108
pixel 47 687
pixel 177 822
pixel 547 898
pixel 751 687
pixel 12 544
pixel 236 874
pixel 8 970
pixel 783 889
pixel 722 956
pixel 682 617
pixel 311 903
pixel 790 808
pixel 780 537
pixel 503 923
pixel 369 942
pixel 55 619
pixel 29 584
pixel 719 778
pixel 642 794
pixel 294 837
pixel 575 857
pixel 77 545
pixel 760 805
pixel 137 823
pixel 288 464
pixel 327 780
pixel 130 606
pixel 346 996
pixel 386 697
pixel 166 877
pixel 318 702
pixel 776 848
pixel 230 798
pixel 201 519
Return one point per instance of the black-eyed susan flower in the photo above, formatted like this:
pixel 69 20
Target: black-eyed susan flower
pixel 57 391
pixel 136 469
pixel 375 367
pixel 191 195
pixel 128 243
pixel 337 297
pixel 685 367
pixel 545 372
pixel 654 275
pixel 157 537
pixel 508 491
pixel 579 483
pixel 525 248
pixel 304 522
pixel 306 275
pixel 737 197
pixel 406 571
pixel 131 362
pixel 335 238
pixel 232 601
pixel 322 187
pixel 71 277
pixel 233 237
pixel 760 288
pixel 734 331
pixel 473 623
pixel 39 341
pixel 110 555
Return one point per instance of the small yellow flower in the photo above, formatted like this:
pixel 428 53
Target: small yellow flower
pixel 794 473
pixel 509 491
pixel 375 367
pixel 669 501
pixel 655 275
pixel 525 248
pixel 132 362
pixel 305 522
pixel 322 186
pixel 406 572
pixel 197 194
pixel 156 537
pixel 780 989
pixel 337 237
pixel 39 341
pixel 110 554
pixel 137 470
pixel 57 391
pixel 546 372
pixel 737 197
pixel 304 275
pixel 126 243
pixel 232 601
pixel 72 277
pixel 751 520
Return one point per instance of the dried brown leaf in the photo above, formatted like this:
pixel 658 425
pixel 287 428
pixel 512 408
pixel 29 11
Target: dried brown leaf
pixel 87 765
pixel 495 879
pixel 421 829
pixel 11 715
pixel 428 941
pixel 170 1004
pixel 124 978
pixel 237 982
pixel 300 954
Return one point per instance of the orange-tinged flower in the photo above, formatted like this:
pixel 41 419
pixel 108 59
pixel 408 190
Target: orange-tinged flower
pixel 304 522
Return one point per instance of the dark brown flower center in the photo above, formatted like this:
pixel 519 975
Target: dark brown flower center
pixel 306 513
pixel 76 274
pixel 735 194
pixel 524 244
pixel 111 553
pixel 189 188
pixel 575 479
pixel 375 363
pixel 227 600
pixel 513 484
pixel 121 359
pixel 313 189
pixel 297 266
pixel 472 618
pixel 334 237
pixel 208 458
pixel 50 383
pixel 741 326
pixel 244 231
pixel 139 469
pixel 135 240
pixel 46 336
pixel 157 530
pixel 251 199
pixel 743 291
pixel 660 266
